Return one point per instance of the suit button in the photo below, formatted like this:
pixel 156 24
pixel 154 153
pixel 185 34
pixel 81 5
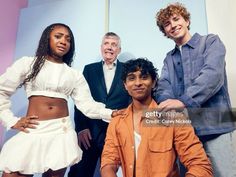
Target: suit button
pixel 130 166
pixel 63 120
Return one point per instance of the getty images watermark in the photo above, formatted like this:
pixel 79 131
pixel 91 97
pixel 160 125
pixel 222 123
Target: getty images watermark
pixel 152 117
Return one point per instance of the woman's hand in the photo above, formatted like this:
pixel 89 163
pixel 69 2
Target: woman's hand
pixel 26 122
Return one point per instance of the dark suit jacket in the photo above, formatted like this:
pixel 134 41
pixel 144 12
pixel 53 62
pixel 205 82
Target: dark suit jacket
pixel 117 98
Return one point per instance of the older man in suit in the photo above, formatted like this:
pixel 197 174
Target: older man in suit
pixel 104 80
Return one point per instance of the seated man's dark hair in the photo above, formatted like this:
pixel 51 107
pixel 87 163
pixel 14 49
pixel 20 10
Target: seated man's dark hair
pixel 140 64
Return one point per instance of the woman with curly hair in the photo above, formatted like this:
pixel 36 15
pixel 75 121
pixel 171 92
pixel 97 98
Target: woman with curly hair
pixel 46 142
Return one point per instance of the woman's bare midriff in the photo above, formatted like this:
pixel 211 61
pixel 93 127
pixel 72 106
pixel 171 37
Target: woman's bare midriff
pixel 47 107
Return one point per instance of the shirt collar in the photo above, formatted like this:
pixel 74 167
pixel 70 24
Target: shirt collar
pixel 193 42
pixel 128 111
pixel 114 64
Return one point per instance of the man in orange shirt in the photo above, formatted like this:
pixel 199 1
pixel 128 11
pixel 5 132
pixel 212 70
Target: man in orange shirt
pixel 146 147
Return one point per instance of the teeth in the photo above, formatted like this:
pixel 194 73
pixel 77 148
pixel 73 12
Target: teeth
pixel 175 31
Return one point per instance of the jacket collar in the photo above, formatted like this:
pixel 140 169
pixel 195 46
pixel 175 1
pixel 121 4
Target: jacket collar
pixel 193 43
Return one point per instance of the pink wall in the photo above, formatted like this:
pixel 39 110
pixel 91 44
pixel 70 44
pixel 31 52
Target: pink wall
pixel 9 17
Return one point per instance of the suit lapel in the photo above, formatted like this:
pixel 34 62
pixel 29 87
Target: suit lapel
pixel 101 77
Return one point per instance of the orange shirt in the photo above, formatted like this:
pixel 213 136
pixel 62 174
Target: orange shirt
pixel 157 151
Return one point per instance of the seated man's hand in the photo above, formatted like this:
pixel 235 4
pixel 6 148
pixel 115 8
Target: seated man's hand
pixel 84 138
pixel 109 170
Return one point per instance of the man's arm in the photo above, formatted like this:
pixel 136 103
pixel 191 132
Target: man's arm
pixel 191 152
pixel 110 159
pixel 82 129
pixel 190 175
pixel 109 171
pixel 81 124
pixel 205 85
pixel 211 76
pixel 164 95
pixel 164 88
pixel 171 104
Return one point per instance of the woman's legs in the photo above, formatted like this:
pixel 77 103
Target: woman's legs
pixel 57 173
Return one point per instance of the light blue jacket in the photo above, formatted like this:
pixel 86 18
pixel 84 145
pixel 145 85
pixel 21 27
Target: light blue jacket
pixel 205 84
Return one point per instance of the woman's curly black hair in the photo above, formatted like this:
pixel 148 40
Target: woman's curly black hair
pixel 44 50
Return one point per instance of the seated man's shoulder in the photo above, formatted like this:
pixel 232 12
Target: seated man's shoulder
pixel 122 113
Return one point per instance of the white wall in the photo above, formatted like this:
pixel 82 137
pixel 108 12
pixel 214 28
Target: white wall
pixel 135 22
pixel 86 19
pixel 221 20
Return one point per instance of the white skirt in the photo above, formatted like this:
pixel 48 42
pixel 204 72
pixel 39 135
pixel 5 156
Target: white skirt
pixel 52 145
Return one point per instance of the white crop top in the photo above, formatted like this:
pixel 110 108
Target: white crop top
pixel 53 80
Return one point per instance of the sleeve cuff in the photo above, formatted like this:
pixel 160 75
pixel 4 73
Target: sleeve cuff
pixel 188 101
pixel 105 114
pixel 9 122
pixel 162 98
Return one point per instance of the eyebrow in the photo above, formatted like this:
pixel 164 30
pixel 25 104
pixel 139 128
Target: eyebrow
pixel 131 73
pixel 62 33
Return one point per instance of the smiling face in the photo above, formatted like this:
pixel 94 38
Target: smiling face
pixel 110 49
pixel 176 28
pixel 174 22
pixel 59 43
pixel 139 86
